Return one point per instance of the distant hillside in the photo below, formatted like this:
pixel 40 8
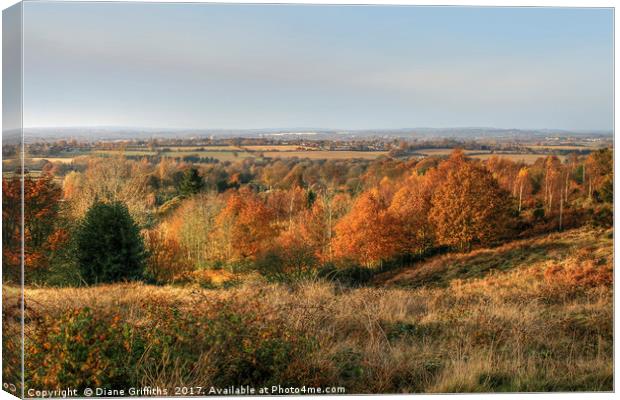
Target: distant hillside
pixel 468 133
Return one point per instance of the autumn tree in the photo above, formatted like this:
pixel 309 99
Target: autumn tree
pixel 42 234
pixel 243 228
pixel 274 173
pixel 522 184
pixel 289 254
pixel 286 204
pixel 504 171
pixel 166 261
pixel 192 224
pixel 469 207
pixel 366 234
pixel 318 222
pixel 599 167
pixel 410 208
pixel 553 184
pixel 111 180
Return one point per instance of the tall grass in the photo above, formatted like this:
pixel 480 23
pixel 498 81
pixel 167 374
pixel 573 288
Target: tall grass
pixel 542 325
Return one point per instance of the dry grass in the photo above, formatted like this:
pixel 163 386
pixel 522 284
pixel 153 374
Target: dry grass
pixel 440 270
pixel 543 324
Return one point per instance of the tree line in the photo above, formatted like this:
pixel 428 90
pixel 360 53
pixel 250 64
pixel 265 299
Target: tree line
pixel 122 219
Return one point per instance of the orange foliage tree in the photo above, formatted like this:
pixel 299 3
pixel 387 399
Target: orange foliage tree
pixel 469 207
pixel 522 184
pixel 243 228
pixel 318 223
pixel 166 261
pixel 366 234
pixel 598 167
pixel 41 235
pixel 410 208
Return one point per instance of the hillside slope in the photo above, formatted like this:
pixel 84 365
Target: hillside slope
pixel 531 316
pixel 541 251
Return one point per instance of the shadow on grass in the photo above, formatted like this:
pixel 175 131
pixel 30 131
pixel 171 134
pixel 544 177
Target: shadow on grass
pixel 440 271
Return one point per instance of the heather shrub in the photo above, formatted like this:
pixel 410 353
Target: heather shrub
pixel 79 348
pixel 231 342
pixel 569 280
pixel 11 336
pixel 224 344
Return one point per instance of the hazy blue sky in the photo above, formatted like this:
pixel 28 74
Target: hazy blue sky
pixel 272 66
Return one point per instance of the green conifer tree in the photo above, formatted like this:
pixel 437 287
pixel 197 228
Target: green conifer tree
pixel 109 245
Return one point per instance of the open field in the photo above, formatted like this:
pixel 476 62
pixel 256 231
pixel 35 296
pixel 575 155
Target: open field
pixel 228 154
pixel 533 315
pixel 485 155
pixel 125 152
pixel 232 153
pixel 446 152
pixel 201 148
pixel 565 147
pixel 274 147
pixel 326 154
pixel 220 155
pixel 526 158
pixel 64 160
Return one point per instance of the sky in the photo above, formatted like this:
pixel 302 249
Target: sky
pixel 309 66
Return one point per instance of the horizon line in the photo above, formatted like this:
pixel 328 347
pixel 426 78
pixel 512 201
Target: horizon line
pixel 299 128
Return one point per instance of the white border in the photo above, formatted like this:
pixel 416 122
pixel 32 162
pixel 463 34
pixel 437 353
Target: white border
pixel 481 3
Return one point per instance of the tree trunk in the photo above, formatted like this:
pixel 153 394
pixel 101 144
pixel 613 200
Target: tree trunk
pixel 561 211
pixel 328 204
pixel 290 214
pixel 566 187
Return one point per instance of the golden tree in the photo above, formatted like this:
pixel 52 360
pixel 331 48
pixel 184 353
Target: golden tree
pixel 166 261
pixel 41 233
pixel 243 228
pixel 469 207
pixel 599 167
pixel 522 184
pixel 317 223
pixel 366 234
pixel 109 180
pixel 192 225
pixel 410 208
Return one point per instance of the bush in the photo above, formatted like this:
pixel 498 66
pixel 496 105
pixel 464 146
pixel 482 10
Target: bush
pixel 353 275
pixel 79 349
pixel 602 216
pixel 109 245
pixel 240 342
